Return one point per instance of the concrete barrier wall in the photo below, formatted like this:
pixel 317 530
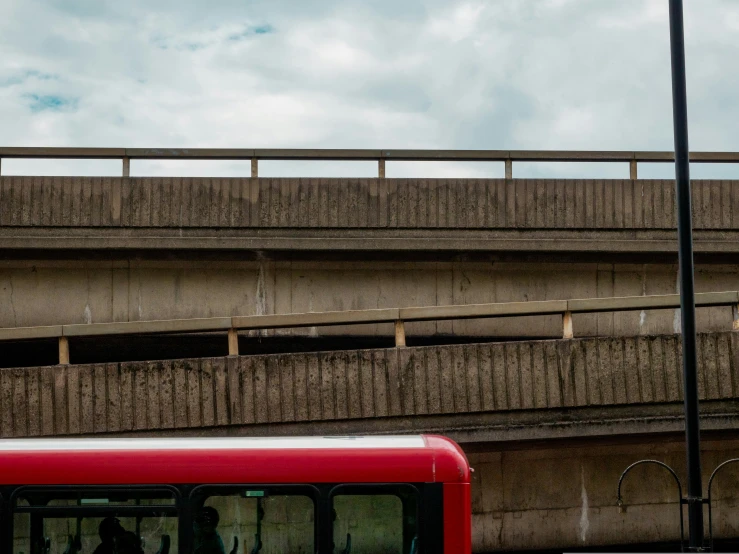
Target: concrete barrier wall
pixel 360 203
pixel 49 293
pixel 364 384
pixel 560 498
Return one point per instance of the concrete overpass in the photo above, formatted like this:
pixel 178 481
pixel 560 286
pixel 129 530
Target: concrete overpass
pixel 127 248
pixel 548 425
pixel 548 422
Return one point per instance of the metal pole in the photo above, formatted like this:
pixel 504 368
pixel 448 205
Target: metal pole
pixel 687 298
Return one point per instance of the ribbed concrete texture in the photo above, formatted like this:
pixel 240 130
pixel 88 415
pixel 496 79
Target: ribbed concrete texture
pixel 368 384
pixel 360 203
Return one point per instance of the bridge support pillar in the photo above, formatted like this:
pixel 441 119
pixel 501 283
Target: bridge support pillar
pixel 399 333
pixel 233 342
pixel 567 331
pixel 63 351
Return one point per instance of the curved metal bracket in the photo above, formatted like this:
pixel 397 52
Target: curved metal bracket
pixel 710 482
pixel 679 490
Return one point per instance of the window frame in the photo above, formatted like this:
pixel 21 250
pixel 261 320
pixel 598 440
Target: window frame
pixel 377 489
pixel 430 517
pixel 99 510
pixel 300 489
pixel 5 522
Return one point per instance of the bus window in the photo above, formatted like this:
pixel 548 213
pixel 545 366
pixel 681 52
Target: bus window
pixel 375 520
pixel 100 522
pixel 22 540
pixel 240 520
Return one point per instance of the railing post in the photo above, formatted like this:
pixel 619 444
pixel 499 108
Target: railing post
pixel 381 169
pixel 399 333
pixel 254 168
pixel 126 166
pixel 632 170
pixel 735 317
pixel 567 325
pixel 233 342
pixel 509 169
pixel 63 351
pixel 1 166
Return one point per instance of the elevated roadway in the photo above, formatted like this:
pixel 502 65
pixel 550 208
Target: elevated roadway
pixel 550 405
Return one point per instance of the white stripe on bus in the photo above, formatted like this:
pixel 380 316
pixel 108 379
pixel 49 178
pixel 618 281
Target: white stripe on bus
pixel 211 443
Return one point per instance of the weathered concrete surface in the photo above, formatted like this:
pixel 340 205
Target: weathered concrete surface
pixel 38 292
pixel 566 497
pixel 360 203
pixel 523 377
pixel 361 214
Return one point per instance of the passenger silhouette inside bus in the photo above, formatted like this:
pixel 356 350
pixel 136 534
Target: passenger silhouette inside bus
pixel 207 539
pixel 127 543
pixel 110 529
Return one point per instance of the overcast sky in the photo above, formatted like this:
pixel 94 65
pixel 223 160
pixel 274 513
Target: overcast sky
pixel 493 74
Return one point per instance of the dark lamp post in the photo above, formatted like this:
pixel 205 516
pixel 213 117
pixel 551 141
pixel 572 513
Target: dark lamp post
pixel 687 293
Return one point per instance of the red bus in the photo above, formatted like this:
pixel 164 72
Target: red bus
pixel 297 495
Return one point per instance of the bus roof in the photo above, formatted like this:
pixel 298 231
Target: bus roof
pixel 420 458
pixel 211 443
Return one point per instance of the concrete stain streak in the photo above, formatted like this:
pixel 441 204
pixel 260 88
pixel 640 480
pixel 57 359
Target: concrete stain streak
pixel 643 313
pixel 12 300
pixel 676 321
pixel 261 296
pixel 138 280
pixel 584 520
pixel 87 314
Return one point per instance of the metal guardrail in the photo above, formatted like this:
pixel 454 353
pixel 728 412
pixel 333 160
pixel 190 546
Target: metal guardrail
pixel 398 316
pixel 381 156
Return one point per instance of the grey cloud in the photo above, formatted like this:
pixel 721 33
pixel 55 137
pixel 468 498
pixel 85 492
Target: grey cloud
pixel 537 74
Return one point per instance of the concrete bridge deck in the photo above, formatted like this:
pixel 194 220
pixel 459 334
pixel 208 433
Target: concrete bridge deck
pixel 281 216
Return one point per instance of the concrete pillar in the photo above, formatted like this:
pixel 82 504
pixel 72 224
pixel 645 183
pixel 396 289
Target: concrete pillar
pixel 567 332
pixel 63 351
pixel 233 342
pixel 399 333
